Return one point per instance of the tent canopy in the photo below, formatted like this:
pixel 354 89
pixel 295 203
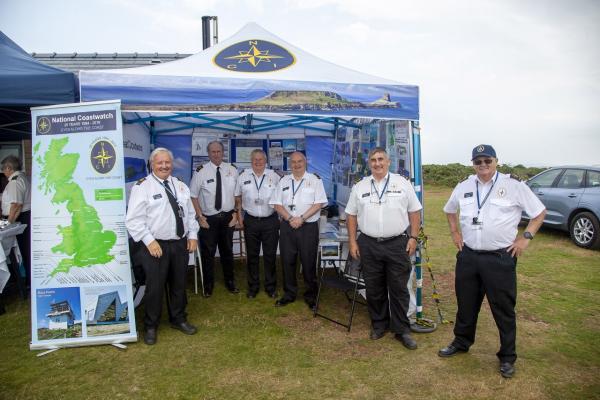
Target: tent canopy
pixel 253 72
pixel 27 82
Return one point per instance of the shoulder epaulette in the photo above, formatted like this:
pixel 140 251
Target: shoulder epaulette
pixel 466 178
pixel 317 175
pixel 233 165
pixel 14 178
pixel 199 167
pixel 139 182
pixel 516 177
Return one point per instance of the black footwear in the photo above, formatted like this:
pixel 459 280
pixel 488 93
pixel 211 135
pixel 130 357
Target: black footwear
pixel 232 288
pixel 283 302
pixel 376 335
pixel 185 327
pixel 150 336
pixel 208 291
pixel 450 351
pixel 311 304
pixel 507 370
pixel 272 294
pixel 251 295
pixel 406 340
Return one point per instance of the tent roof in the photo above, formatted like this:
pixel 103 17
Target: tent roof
pixel 285 79
pixel 27 82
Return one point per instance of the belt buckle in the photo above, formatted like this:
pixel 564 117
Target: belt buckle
pixel 381 239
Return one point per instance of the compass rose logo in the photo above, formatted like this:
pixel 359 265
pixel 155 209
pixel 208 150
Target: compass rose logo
pixel 254 56
pixel 44 125
pixel 103 156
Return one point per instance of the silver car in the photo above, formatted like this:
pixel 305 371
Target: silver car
pixel 571 195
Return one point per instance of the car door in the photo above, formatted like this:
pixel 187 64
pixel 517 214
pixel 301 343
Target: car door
pixel 591 195
pixel 542 186
pixel 565 195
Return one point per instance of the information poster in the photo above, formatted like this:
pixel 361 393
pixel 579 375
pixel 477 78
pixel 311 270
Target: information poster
pixel 81 290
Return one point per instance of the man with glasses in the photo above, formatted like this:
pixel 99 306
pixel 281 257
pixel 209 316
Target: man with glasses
pixel 490 206
pixel 298 201
pixel 259 220
pixel 383 206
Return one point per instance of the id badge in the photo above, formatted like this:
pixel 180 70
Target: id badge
pixel 476 225
pixel 259 202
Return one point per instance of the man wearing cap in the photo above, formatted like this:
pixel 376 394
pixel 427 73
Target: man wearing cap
pixel 260 222
pixel 161 215
pixel 298 201
pixel 487 206
pixel 383 206
pixel 213 196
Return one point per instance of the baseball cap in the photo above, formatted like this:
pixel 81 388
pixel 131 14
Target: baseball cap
pixel 483 150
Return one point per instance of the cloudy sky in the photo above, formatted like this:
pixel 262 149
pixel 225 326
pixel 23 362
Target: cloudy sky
pixel 522 75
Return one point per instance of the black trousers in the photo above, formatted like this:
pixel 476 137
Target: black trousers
pixel 261 231
pixel 303 242
pixel 386 270
pixel 491 274
pixel 24 241
pixel 219 234
pixel 170 268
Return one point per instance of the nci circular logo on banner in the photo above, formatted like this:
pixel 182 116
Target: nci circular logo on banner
pixel 103 156
pixel 254 56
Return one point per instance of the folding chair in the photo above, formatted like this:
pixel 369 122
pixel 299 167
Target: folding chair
pixel 347 279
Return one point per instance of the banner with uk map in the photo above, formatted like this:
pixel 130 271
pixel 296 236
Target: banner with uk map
pixel 81 291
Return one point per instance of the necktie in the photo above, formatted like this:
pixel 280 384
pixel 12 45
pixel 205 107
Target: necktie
pixel 176 209
pixel 218 194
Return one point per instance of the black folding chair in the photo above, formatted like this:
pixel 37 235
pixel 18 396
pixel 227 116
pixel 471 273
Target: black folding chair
pixel 347 279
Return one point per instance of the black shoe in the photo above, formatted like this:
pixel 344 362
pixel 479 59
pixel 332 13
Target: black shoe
pixel 208 291
pixel 507 370
pixel 185 327
pixel 283 302
pixel 376 335
pixel 311 304
pixel 450 351
pixel 251 295
pixel 272 294
pixel 232 288
pixel 406 340
pixel 150 336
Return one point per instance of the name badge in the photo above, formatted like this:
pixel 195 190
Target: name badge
pixel 365 195
pixel 210 181
pixel 259 202
pixel 247 182
pixel 470 194
pixel 157 196
pixel 285 188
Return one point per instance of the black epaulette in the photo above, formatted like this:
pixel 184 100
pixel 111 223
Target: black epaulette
pixel 516 177
pixel 317 175
pixel 14 178
pixel 139 182
pixel 233 165
pixel 465 178
pixel 199 167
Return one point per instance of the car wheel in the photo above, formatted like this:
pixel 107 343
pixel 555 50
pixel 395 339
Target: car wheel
pixel 585 230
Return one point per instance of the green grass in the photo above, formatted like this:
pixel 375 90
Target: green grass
pixel 248 349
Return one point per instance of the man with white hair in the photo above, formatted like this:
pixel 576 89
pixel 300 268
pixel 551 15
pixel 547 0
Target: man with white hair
pixel 162 216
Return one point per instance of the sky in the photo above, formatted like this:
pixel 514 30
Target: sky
pixel 521 75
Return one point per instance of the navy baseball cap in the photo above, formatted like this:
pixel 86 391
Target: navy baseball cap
pixel 483 150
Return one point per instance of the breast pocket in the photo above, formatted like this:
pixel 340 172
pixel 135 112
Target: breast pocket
pixel 398 200
pixel 501 208
pixel 468 208
pixel 308 196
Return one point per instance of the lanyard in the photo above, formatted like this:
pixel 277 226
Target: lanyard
pixel 487 195
pixel 166 186
pixel 294 191
pixel 380 196
pixel 256 183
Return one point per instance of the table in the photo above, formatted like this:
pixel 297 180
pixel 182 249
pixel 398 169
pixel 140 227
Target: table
pixel 8 238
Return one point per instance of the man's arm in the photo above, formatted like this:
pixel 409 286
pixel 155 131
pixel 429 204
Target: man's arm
pixel 455 230
pixel 239 210
pixel 297 222
pixel 14 212
pixel 521 243
pixel 415 224
pixel 201 218
pixel 352 224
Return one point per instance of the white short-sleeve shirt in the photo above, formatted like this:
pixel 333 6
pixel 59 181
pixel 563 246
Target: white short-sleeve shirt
pixel 204 187
pixel 298 195
pixel 256 191
pixel 18 190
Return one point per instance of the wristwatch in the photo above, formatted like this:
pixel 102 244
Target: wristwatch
pixel 527 235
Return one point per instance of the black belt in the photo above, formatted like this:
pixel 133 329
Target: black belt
pixel 259 218
pixel 221 214
pixel 495 252
pixel 384 239
pixel 169 240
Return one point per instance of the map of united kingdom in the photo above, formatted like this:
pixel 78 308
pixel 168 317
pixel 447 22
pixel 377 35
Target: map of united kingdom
pixel 84 241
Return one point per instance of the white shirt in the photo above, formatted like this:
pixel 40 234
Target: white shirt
pixel 18 190
pixel 256 191
pixel 150 215
pixel 204 187
pixel 309 190
pixel 499 215
pixel 390 218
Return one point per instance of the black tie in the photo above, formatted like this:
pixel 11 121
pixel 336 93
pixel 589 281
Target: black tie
pixel 218 195
pixel 176 210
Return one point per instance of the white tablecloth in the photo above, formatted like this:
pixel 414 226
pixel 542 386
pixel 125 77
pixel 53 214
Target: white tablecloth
pixel 8 237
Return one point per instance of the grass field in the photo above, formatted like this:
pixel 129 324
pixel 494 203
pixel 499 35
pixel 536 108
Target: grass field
pixel 248 349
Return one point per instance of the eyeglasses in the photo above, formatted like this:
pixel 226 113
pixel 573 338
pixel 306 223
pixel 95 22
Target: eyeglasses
pixel 488 161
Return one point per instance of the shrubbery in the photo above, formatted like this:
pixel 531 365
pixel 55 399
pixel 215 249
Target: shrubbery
pixel 450 174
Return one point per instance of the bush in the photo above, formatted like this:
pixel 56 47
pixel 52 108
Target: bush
pixel 450 174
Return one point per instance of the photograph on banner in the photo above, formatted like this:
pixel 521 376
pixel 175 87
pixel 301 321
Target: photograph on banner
pixel 79 240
